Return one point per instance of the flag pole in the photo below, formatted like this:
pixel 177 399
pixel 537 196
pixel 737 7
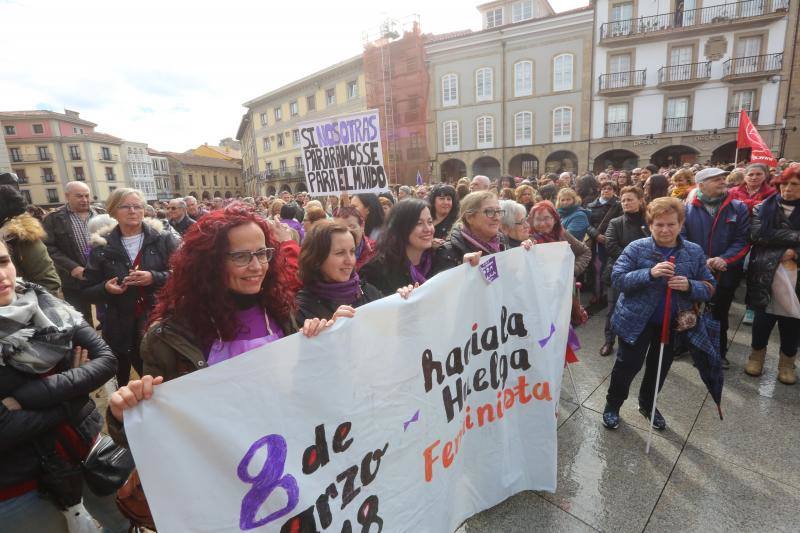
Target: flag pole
pixel 574 388
pixel 665 327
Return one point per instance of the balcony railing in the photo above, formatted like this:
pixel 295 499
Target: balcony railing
pixel 22 179
pixel 75 157
pixel 29 158
pixel 621 81
pixel 732 120
pixel 48 178
pixel 692 18
pixel 289 171
pixel 107 157
pixel 744 67
pixel 618 129
pixel 676 124
pixel 686 73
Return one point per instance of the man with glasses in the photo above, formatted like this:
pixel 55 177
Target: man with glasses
pixel 178 218
pixel 67 242
pixel 479 183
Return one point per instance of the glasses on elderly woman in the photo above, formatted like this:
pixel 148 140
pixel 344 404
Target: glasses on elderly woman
pixel 241 259
pixel 494 213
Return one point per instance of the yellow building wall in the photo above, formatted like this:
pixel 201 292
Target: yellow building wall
pixel 35 170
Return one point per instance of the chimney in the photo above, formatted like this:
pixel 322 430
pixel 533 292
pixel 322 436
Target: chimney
pixel 72 114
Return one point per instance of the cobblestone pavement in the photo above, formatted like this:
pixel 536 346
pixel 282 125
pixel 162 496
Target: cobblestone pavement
pixel 741 474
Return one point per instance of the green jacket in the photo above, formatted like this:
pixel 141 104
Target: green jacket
pixel 24 236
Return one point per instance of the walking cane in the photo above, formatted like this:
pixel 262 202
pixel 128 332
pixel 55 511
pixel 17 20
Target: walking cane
pixel 665 323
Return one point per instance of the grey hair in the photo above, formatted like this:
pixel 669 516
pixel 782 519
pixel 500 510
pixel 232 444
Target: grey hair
pixel 186 200
pixel 760 166
pixel 512 210
pixel 181 203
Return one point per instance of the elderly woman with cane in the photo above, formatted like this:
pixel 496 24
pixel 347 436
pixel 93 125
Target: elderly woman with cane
pixel 643 274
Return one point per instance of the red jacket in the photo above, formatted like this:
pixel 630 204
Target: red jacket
pixel 740 193
pixel 290 251
pixel 368 251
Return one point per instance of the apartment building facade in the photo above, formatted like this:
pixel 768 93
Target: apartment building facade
pixel 270 134
pixel 203 177
pixel 138 168
pixel 512 98
pixel 670 78
pixel 5 162
pixel 161 175
pixel 48 149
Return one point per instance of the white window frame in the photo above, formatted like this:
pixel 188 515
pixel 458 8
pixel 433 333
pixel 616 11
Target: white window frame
pixel 263 117
pixel 520 88
pixel 559 71
pixel 451 77
pixel 491 14
pixel 278 113
pixel 562 131
pixel 481 88
pixel 518 11
pixel 33 128
pixel 10 129
pixel 484 132
pixel 451 130
pixel 295 137
pixel 267 144
pixel 352 89
pixel 521 128
pixel 328 101
pixel 294 109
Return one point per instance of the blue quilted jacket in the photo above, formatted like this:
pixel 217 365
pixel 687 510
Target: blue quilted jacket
pixel 640 293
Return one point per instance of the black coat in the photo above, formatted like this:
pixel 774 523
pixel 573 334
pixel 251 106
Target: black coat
pixel 63 397
pixel 451 254
pixel 768 248
pixel 121 328
pixel 183 225
pixel 442 229
pixel 601 214
pixel 621 232
pixel 62 248
pixel 309 305
pixel 385 278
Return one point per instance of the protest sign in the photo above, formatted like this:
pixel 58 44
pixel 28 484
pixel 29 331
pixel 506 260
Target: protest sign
pixel 343 154
pixel 412 416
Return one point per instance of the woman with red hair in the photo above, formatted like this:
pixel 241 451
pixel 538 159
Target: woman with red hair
pixel 231 291
pixel 546 227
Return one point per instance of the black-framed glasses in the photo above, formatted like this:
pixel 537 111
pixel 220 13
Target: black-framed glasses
pixel 263 255
pixel 494 213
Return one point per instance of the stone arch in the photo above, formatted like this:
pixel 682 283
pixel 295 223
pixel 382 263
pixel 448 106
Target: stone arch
pixel 286 188
pixel 726 153
pixel 487 166
pixel 561 161
pixel 228 194
pixel 271 190
pixel 619 159
pixel 206 195
pixel 452 170
pixel 675 154
pixel 524 165
pixel 217 194
pixel 300 187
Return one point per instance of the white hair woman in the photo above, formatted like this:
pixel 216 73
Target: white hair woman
pixel 514 222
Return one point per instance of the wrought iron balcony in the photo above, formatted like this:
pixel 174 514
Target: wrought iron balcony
pixel 682 20
pixel 732 120
pixel 617 82
pixel 618 129
pixel 752 66
pixel 677 124
pixel 48 178
pixel 108 157
pixel 29 158
pixel 684 74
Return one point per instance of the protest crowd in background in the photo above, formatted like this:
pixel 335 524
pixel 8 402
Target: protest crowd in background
pixel 131 295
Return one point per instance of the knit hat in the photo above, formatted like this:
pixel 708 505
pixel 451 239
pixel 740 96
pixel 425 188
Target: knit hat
pixel 708 173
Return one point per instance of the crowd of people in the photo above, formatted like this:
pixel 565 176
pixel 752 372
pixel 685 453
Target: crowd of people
pixel 139 293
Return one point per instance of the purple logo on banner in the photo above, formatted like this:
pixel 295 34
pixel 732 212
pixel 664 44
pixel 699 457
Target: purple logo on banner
pixel 489 270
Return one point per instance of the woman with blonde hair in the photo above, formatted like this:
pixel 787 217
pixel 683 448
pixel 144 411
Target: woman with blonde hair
pixel 573 217
pixel 682 183
pixel 128 264
pixel 525 195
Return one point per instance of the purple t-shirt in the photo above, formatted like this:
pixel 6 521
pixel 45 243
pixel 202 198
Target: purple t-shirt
pixel 253 332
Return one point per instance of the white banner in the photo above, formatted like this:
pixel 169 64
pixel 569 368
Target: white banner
pixel 343 154
pixel 412 416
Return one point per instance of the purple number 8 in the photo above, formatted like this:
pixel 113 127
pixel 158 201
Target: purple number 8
pixel 270 477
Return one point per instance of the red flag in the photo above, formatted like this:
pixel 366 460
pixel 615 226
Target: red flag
pixel 748 137
pixel 570 356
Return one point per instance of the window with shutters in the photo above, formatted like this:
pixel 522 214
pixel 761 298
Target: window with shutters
pixel 485 132
pixel 483 84
pixel 523 78
pixel 523 128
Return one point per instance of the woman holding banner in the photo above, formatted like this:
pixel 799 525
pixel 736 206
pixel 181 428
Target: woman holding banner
pixel 642 274
pixel 405 256
pixel 241 299
pixel 476 233
pixel 331 286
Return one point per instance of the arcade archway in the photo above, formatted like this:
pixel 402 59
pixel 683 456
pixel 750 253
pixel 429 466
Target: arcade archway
pixel 524 165
pixel 487 166
pixel 618 159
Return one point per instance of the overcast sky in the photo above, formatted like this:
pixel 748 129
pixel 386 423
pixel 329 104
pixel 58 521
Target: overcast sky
pixel 174 74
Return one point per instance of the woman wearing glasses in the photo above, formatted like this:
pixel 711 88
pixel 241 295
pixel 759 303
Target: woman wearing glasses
pixel 476 233
pixel 129 262
pixel 514 223
pixel 231 291
pixel 546 227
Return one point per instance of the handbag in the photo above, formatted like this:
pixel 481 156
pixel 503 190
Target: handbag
pixel 107 466
pixel 60 479
pixel 132 503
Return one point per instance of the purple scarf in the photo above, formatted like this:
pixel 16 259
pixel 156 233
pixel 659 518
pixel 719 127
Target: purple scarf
pixel 339 293
pixel 491 246
pixel 419 273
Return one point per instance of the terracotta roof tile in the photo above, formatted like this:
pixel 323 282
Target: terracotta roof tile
pixel 198 160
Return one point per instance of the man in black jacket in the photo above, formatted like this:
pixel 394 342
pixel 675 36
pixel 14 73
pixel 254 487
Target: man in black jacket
pixel 67 243
pixel 178 218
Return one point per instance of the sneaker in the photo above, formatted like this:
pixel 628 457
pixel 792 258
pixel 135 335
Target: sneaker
pixel 610 418
pixel 725 363
pixel 748 317
pixel 658 421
